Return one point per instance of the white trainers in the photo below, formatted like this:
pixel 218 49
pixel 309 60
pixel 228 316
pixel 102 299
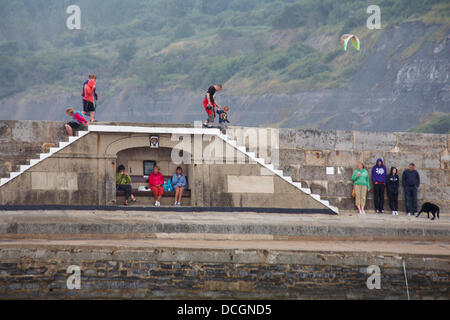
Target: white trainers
pixel 393 213
pixel 415 214
pixel 157 204
pixel 409 214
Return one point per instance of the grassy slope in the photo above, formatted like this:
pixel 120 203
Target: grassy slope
pixel 434 123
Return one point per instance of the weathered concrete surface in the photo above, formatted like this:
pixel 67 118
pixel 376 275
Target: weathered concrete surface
pixel 214 225
pixel 210 255
pixel 305 154
pixel 302 154
pixel 84 173
pixel 22 140
pixel 161 269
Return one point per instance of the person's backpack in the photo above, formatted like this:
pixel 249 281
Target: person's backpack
pixel 84 84
pixel 168 185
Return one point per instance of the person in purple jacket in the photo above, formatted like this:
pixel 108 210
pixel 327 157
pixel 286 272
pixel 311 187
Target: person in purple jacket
pixel 379 179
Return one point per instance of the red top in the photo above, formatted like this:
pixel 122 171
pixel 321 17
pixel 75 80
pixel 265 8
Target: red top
pixel 89 91
pixel 155 179
pixel 79 117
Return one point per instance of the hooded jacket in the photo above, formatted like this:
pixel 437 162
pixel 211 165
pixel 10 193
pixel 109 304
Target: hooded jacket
pixel 379 172
pixel 393 182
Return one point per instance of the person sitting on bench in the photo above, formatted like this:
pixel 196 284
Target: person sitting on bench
pixel 155 182
pixel 179 183
pixel 123 182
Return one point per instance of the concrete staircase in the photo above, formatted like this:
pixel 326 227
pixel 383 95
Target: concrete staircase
pixel 42 157
pixel 288 179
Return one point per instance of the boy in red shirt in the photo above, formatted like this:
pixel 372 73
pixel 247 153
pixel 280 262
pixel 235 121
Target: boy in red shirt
pixel 156 181
pixel 88 96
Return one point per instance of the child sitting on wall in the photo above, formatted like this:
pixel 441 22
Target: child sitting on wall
pixel 223 118
pixel 77 120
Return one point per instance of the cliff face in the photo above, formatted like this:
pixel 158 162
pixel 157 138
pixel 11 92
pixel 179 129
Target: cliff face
pixel 403 77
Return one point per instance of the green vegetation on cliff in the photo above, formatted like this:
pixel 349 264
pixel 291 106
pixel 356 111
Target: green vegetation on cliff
pixel 434 123
pixel 258 46
pixel 188 43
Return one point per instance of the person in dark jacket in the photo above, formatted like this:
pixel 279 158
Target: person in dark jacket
pixel 379 181
pixel 392 185
pixel 411 183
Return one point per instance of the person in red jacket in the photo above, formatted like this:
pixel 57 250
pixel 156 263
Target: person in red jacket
pixel 88 97
pixel 156 181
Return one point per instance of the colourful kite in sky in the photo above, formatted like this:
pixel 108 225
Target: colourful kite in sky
pixel 345 38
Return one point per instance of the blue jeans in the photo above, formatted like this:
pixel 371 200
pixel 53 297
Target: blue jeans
pixel 411 199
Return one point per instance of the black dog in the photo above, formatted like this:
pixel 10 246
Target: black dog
pixel 430 207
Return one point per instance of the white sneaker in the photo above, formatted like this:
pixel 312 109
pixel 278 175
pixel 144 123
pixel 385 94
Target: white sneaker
pixel 363 212
pixel 179 204
pixel 415 214
pixel 396 213
pixel 409 214
pixel 175 203
pixel 393 213
pixel 158 204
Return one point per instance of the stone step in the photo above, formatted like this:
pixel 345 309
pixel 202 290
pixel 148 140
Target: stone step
pixel 306 190
pixel 253 157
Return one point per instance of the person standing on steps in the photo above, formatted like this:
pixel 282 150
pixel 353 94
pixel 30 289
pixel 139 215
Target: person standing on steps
pixel 379 181
pixel 88 96
pixel 411 183
pixel 392 186
pixel 209 103
pixel 223 119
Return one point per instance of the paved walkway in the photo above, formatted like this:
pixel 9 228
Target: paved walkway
pixel 222 225
pixel 214 217
pixel 381 247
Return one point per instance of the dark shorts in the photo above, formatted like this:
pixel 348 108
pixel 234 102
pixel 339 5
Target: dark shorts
pixel 88 106
pixel 74 125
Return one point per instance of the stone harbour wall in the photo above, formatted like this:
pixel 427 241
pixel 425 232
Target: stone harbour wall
pixel 306 154
pixel 163 273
